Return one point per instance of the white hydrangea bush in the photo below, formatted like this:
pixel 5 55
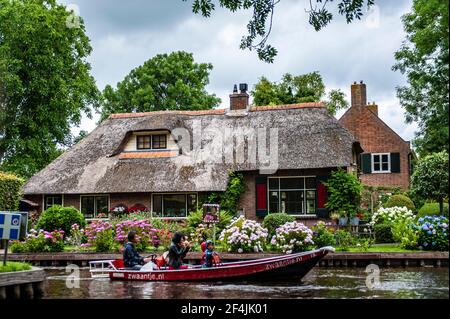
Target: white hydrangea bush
pixel 244 235
pixel 391 215
pixel 293 237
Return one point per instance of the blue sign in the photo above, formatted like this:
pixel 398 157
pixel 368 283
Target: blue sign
pixel 9 226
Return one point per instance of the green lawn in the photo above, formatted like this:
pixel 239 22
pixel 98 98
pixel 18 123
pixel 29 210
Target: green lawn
pixel 14 266
pixel 385 248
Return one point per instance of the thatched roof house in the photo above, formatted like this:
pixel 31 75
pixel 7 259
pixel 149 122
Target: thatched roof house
pixel 166 160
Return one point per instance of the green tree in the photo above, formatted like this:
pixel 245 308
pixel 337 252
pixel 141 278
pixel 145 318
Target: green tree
pixel 307 87
pixel 344 191
pixel 260 24
pixel 430 178
pixel 423 58
pixel 165 82
pixel 45 84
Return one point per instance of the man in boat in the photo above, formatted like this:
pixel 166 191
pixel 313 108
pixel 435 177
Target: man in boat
pixel 177 251
pixel 131 258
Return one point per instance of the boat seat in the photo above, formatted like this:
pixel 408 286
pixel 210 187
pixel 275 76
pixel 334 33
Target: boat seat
pixel 118 263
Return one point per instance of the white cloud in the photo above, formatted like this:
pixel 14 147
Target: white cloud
pixel 125 36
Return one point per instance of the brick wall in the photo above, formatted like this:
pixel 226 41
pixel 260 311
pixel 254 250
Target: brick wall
pixel 376 137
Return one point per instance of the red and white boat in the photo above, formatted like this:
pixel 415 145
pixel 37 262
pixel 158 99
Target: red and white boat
pixel 296 264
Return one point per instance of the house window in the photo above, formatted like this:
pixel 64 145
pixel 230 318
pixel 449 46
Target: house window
pixel 173 205
pixel 95 206
pixel 51 200
pixel 381 163
pixel 149 142
pixel 292 195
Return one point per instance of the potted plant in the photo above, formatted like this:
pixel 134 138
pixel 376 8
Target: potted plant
pixel 343 218
pixel 335 217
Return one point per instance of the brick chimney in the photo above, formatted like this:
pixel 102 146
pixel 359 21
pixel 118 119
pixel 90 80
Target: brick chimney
pixel 239 100
pixel 359 96
pixel 373 107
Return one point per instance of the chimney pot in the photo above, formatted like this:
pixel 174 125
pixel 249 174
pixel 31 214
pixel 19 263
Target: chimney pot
pixel 239 100
pixel 358 94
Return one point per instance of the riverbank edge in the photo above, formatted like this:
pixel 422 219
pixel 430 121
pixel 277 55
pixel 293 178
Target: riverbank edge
pixel 337 259
pixel 25 284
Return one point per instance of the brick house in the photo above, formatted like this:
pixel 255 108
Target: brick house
pixel 386 160
pixel 169 161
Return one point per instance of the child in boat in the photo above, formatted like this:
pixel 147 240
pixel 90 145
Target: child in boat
pixel 209 254
pixel 177 251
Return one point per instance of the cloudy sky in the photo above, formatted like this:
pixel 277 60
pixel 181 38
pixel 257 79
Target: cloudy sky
pixel 124 34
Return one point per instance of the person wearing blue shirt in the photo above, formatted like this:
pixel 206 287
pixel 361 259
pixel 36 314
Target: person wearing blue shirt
pixel 131 258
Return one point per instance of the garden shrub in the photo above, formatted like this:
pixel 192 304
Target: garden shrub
pixel 229 199
pixel 383 233
pixel 431 209
pixel 195 219
pixel 344 192
pixel 344 239
pixel 244 235
pixel 433 232
pixel 293 237
pixel 400 200
pixel 100 236
pixel 391 215
pixel 145 233
pixel 275 220
pixel 10 191
pixel 40 241
pixel 59 217
pixel 14 266
pixel 322 235
pixel 406 234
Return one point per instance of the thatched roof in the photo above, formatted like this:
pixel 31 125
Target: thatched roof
pixel 308 137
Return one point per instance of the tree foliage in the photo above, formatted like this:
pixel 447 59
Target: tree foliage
pixel 430 178
pixel 307 87
pixel 45 84
pixel 229 200
pixel 260 25
pixel 10 191
pixel 423 58
pixel 165 82
pixel 344 192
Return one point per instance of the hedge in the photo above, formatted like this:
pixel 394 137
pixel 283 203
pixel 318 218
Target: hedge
pixel 400 201
pixel 383 233
pixel 10 191
pixel 430 209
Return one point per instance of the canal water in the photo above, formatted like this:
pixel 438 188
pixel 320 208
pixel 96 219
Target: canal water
pixel 319 283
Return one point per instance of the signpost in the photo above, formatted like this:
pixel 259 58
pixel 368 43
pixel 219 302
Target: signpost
pixel 211 215
pixel 9 229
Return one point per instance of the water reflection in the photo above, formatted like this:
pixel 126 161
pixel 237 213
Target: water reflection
pixel 319 283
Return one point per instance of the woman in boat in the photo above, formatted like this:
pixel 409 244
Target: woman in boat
pixel 131 258
pixel 177 251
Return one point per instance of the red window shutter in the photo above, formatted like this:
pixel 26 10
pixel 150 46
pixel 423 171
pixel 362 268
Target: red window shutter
pixel 321 195
pixel 261 196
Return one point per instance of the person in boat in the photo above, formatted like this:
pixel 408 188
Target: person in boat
pixel 203 247
pixel 209 254
pixel 177 251
pixel 131 258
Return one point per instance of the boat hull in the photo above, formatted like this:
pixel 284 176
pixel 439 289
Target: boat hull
pixel 267 268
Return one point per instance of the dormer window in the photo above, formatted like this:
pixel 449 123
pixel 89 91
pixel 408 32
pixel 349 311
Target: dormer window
pixel 151 142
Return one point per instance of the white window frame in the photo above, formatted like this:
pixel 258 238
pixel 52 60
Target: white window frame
pixel 381 171
pixel 95 213
pixel 173 218
pixel 46 196
pixel 304 189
